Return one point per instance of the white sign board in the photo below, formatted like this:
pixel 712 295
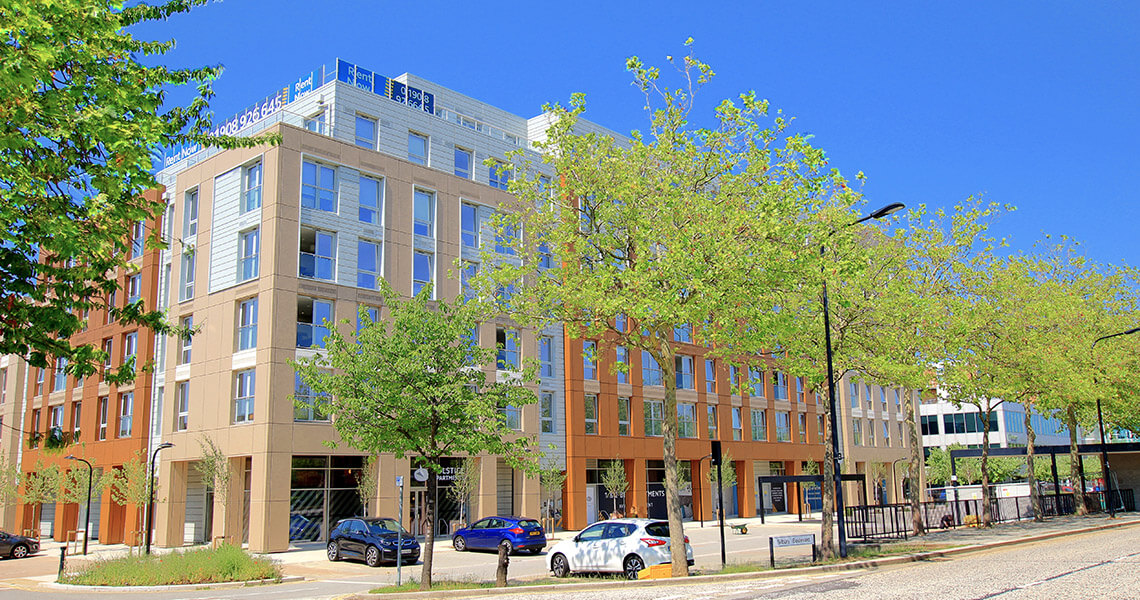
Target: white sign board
pixel 784 541
pixel 420 474
pixel 399 481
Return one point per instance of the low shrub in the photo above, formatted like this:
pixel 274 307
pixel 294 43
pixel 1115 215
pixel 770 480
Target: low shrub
pixel 202 565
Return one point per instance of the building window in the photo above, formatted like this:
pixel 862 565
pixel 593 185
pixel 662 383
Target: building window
pixel 190 214
pixel 418 148
pixel 623 415
pixel 103 418
pixel 685 376
pixel 186 343
pixel 654 416
pixel 803 428
pixel 929 424
pixel 883 399
pixel 854 393
pixel 249 245
pixel 780 386
pixel 60 380
pixel 737 424
pixel 134 288
pixel 499 176
pixel 467 272
pixel 870 433
pixel 315 123
pixel 710 376
pixel 686 420
pixel 901 438
pixel 545 256
pixel 469 222
pixel 857 432
pixel 243 396
pixel 247 324
pixel 591 412
pixel 650 370
pixel 463 162
pixel 621 357
pixel 819 428
pixel 620 323
pixel 898 401
pixel 423 213
pixel 304 401
pixel 734 379
pixel 56 428
pixel 512 417
pixel 759 425
pixel 506 240
pixel 76 417
pixel 507 341
pixel 886 434
pixel 130 346
pixel 546 356
pixel 312 315
pixel 318 254
pixel 187 288
pixel 35 441
pixel 3 386
pixel 546 412
pixel 126 413
pixel 756 381
pixel 783 426
pixel 368 257
pixel 712 423
pixel 371 200
pixel 684 333
pixel 108 351
pixel 318 186
pixel 366 132
pixel 869 397
pixel 589 360
pixel 251 188
pixel 422 273
pixel 39 381
pixel 182 406
pixel 138 237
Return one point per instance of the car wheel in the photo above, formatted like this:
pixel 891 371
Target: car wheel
pixel 19 551
pixel 459 544
pixel 372 556
pixel 334 551
pixel 633 565
pixel 508 545
pixel 559 566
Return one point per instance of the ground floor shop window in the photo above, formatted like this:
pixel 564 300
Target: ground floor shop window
pixel 323 490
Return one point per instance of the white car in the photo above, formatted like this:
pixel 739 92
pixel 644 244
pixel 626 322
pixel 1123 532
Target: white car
pixel 616 546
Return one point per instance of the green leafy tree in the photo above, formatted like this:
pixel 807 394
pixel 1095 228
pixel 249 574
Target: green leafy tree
pixel 130 486
pixel 74 489
pixel 615 480
pixel 81 118
pixel 410 384
pixel 214 468
pixel 9 481
pixel 41 485
pixel 551 478
pixel 465 485
pixel 727 469
pixel 367 481
pixel 705 228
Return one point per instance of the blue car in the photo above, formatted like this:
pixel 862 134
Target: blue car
pixel 518 534
pixel 373 540
pixel 302 528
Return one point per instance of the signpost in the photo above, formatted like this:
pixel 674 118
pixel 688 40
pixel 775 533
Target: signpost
pixel 399 526
pixel 787 541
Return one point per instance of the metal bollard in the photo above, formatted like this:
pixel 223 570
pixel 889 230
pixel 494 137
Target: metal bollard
pixel 62 562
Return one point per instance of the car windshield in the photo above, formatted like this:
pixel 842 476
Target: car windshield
pixel 381 526
pixel 528 523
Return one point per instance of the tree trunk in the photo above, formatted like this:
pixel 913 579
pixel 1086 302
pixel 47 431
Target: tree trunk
pixel 501 571
pixel 672 486
pixel 916 463
pixel 1075 462
pixel 1030 447
pixel 827 510
pixel 429 533
pixel 987 517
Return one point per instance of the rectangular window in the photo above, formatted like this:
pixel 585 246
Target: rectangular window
pixel 857 432
pixel 190 216
pixel 312 315
pixel 883 398
pixel 371 200
pixel 60 380
pixel 759 425
pixel 305 401
pixel 710 375
pixel 57 420
pixel 684 333
pixel 589 360
pixel 368 257
pixel 545 192
pixel 315 123
pixel 35 427
pixel 130 346
pixel 780 386
pixel 463 161
pixel 422 270
pixel 418 148
pixel 654 416
pixel 371 315
pixel 898 401
pixel 109 351
pixel 126 413
pixel 546 412
pixel 650 370
pixel 182 406
pixel 623 415
pixel 39 381
pixel 546 356
pixel 108 317
pixel 901 438
pixel 3 386
pixel 244 389
pixel 249 246
pixel 686 380
pixel 854 394
pixel 621 356
pixel 186 343
pixel 783 426
pixel 423 209
pixel 819 428
pixel 467 273
pixel 318 254
pixel 103 418
pixel 591 412
pixel 737 424
pixel 507 341
pixel 686 420
pixel 756 380
pixel 870 433
pixel 76 418
pixel 318 186
pixel 366 132
pixel 134 288
pixel 545 256
pixel 869 397
pixel 469 223
pixel 512 417
pixel 886 434
pixel 506 239
pixel 499 176
pixel 621 323
pixel 712 423
pixel 251 188
pixel 187 288
pixel 138 238
pixel 734 379
pixel 247 324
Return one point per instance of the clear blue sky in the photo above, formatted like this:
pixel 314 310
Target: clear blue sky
pixel 1035 104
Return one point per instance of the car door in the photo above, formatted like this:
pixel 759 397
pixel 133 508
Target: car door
pixel 5 544
pixel 615 546
pixel 355 537
pixel 478 537
pixel 587 554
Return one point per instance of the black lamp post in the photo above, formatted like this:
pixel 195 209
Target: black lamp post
pixel 889 209
pixel 150 495
pixel 87 525
pixel 1100 422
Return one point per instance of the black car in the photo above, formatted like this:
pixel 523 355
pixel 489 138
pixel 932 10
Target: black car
pixel 17 546
pixel 373 540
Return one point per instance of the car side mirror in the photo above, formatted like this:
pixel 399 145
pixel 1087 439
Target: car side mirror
pixel 577 538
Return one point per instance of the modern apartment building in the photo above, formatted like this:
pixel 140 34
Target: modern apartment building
pixel 874 439
pixel 944 424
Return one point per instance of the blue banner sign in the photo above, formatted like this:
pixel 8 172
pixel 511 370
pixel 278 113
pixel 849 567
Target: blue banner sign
pixel 382 86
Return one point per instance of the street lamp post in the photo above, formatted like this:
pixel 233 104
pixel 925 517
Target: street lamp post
pixel 1100 422
pixel 150 495
pixel 87 524
pixel 835 455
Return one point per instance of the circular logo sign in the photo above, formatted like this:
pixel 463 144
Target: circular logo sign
pixel 420 474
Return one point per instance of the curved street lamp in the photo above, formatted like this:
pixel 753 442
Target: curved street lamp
pixel 87 525
pixel 1100 422
pixel 887 210
pixel 150 495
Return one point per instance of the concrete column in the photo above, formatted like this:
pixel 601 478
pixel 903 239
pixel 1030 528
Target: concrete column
pixel 487 502
pixel 746 488
pixel 574 506
pixel 170 514
pixel 269 502
pixel 527 492
pixel 228 518
pixel 636 505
